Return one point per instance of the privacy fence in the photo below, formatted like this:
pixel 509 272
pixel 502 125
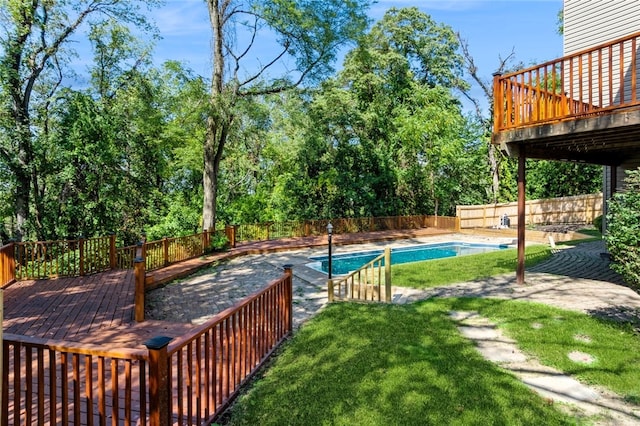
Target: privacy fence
pixel 576 209
pixel 83 256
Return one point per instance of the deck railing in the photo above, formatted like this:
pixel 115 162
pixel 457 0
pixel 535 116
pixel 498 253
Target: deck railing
pixel 55 382
pixel 62 258
pixel 188 382
pixel 593 81
pixel 66 258
pixel 372 282
pixel 210 365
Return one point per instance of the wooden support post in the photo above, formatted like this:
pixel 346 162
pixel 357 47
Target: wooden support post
pixel 159 402
pixel 230 232
pixel 387 274
pixel 498 102
pixel 206 241
pixel 330 295
pixel 289 272
pixel 81 250
pixel 139 273
pixel 144 245
pixel 458 226
pixel 165 250
pixel 521 214
pixel 113 259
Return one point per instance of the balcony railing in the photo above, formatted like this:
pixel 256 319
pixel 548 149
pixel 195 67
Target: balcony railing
pixel 591 82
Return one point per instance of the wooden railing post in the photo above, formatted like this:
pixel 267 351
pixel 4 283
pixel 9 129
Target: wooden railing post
pixel 387 274
pixel 81 249
pixel 139 273
pixel 289 272
pixel 113 260
pixel 206 241
pixel 165 250
pixel 330 295
pixel 498 107
pixel 230 233
pixel 159 403
pixel 143 240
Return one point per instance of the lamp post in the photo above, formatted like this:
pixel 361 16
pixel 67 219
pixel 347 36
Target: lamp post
pixel 330 233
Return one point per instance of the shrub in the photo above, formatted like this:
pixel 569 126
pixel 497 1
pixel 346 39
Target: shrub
pixel 597 223
pixel 623 230
pixel 218 242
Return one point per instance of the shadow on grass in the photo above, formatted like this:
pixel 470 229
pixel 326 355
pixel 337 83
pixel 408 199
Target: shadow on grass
pixel 385 365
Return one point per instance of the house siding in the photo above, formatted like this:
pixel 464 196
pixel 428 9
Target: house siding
pixel 588 23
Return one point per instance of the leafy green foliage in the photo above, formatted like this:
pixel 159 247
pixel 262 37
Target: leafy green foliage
pixel 623 229
pixel 549 179
pixel 218 242
pixel 597 222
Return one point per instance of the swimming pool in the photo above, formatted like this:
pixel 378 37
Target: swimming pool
pixel 345 263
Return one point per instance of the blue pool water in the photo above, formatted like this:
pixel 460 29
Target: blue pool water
pixel 345 263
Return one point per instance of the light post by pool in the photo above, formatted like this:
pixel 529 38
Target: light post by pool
pixel 330 233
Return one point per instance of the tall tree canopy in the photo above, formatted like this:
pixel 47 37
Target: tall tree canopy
pixel 308 36
pixel 34 54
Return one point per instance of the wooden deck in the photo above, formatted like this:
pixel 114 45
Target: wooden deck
pixel 99 308
pixel 581 107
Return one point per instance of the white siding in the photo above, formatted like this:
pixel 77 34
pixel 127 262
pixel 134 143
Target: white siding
pixel 588 23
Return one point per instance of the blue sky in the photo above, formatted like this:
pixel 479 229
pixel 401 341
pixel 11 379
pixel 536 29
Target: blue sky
pixel 493 28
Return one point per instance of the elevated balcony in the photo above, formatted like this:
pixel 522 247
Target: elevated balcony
pixel 582 107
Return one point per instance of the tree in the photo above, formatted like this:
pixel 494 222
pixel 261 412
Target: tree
pixel 500 171
pixel 307 33
pixel 34 53
pixel 390 122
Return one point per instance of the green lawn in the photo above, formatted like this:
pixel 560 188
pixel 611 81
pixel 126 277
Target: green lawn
pixel 464 268
pixel 357 364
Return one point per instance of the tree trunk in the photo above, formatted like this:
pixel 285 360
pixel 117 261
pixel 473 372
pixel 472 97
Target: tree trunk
pixel 495 173
pixel 219 120
pixel 23 185
pixel 209 177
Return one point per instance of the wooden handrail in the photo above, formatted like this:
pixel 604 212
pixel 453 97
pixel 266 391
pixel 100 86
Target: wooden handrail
pixel 589 82
pixel 365 283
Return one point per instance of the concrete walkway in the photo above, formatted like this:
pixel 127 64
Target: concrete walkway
pixel 576 278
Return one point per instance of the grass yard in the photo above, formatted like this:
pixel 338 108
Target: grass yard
pixel 356 364
pixel 464 268
pixel 550 334
pixel 371 364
